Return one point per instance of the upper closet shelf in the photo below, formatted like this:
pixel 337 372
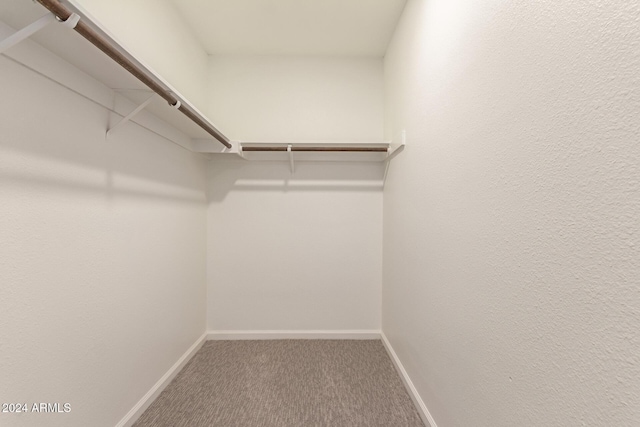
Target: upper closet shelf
pixel 353 151
pixel 51 23
pixel 71 34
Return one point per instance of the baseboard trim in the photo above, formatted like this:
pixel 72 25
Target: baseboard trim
pixel 296 335
pixel 142 405
pixel 413 393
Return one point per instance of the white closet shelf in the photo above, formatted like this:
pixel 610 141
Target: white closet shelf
pixel 319 151
pixel 65 43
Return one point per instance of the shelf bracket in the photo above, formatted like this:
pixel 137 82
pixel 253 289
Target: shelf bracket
pixel 240 152
pixel 290 158
pixel 130 115
pixel 34 27
pixel 394 150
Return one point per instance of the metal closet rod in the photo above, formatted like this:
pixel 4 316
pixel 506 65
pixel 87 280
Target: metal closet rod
pixel 316 149
pixel 63 13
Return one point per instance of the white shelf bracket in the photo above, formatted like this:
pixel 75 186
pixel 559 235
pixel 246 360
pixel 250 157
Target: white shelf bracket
pixel 396 148
pixel 240 152
pixel 392 151
pixel 130 115
pixel 290 158
pixel 71 21
pixel 34 27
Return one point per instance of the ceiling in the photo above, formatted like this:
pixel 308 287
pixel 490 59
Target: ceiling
pixel 292 27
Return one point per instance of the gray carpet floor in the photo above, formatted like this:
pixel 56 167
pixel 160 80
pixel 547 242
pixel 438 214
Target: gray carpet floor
pixel 278 383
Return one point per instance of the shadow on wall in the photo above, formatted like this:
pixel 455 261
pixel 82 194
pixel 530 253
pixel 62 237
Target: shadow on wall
pixel 225 176
pixel 53 139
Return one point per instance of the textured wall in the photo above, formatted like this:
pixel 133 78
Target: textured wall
pixel 294 252
pixel 511 245
pixel 102 251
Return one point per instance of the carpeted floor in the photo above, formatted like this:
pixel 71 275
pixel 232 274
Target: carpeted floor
pixel 285 383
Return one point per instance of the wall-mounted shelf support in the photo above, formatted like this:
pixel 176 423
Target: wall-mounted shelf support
pixel 394 150
pixel 36 26
pixel 131 114
pixel 240 151
pixel 290 158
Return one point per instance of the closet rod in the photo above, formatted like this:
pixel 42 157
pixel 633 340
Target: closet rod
pixel 316 149
pixel 82 28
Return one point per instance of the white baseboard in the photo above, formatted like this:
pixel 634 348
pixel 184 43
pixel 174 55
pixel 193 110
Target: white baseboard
pixel 139 408
pixel 413 393
pixel 366 334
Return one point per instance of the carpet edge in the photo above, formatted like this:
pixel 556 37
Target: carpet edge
pixel 423 411
pixel 138 409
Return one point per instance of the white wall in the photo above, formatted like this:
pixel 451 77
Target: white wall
pixel 102 250
pixel 511 245
pixel 301 252
pixel 153 31
pixel 253 98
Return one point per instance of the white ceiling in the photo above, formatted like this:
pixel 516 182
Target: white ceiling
pixel 292 27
